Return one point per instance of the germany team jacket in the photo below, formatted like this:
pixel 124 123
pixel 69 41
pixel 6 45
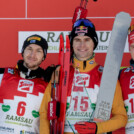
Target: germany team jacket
pixel 84 83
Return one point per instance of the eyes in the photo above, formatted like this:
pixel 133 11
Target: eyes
pixel 37 50
pixel 85 40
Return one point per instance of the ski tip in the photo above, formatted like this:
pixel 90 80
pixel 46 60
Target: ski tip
pixel 61 42
pixel 67 38
pixel 124 15
pixel 61 38
pixel 67 42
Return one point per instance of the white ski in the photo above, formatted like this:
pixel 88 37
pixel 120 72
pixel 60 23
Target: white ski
pixel 112 66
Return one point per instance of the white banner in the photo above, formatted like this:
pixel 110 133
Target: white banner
pixel 52 38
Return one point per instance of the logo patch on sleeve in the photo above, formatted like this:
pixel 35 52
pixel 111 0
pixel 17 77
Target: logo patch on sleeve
pixel 10 70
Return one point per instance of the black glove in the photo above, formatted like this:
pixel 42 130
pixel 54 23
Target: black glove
pixel 48 73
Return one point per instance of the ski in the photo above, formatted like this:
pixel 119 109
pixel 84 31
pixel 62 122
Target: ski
pixel 61 74
pixel 59 86
pixel 63 83
pixel 112 66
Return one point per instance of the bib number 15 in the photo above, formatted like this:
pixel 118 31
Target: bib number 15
pixel 83 103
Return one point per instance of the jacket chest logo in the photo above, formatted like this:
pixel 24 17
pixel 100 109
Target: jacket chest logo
pixel 26 86
pixel 82 80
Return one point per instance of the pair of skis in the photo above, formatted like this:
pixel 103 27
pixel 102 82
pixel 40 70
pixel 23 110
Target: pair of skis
pixel 60 78
pixel 64 62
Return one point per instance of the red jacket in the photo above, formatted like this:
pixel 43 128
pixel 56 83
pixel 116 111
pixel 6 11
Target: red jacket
pixel 20 101
pixel 127 85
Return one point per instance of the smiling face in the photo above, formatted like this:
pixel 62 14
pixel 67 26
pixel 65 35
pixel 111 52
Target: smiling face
pixel 83 47
pixel 33 56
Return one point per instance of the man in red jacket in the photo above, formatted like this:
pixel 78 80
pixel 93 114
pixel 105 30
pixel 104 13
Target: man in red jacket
pixel 22 89
pixel 127 84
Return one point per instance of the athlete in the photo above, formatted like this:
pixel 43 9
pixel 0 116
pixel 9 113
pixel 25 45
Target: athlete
pixel 126 81
pixel 22 89
pixel 84 82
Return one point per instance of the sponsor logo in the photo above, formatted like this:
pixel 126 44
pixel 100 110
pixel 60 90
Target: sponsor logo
pixel 11 119
pixel 78 114
pixel 25 86
pixel 32 41
pixel 78 14
pixel 22 132
pixel 34 38
pixel 6 129
pixel 35 113
pixel 103 114
pixel 100 69
pixel 131 37
pixel 51 109
pixel 5 108
pixel 91 62
pixel 130 129
pixel 127 70
pixel 11 71
pixel 81 30
pixel 82 79
pixel 131 86
pixel 27 132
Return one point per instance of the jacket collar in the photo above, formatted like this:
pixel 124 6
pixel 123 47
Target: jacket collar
pixel 84 66
pixel 27 73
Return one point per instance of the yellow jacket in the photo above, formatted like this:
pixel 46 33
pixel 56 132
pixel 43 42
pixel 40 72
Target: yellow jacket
pixel 44 122
pixel 119 115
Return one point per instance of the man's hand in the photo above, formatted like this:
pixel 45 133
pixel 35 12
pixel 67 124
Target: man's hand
pixel 86 127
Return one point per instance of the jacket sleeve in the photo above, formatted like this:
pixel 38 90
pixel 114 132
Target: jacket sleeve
pixel 44 122
pixel 119 115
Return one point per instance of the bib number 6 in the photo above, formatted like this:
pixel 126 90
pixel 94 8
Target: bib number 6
pixel 21 108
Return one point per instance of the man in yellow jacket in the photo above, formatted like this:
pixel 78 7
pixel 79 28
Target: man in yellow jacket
pixel 84 83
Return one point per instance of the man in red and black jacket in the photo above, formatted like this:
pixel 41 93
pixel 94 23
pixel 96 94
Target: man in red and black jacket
pixel 22 89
